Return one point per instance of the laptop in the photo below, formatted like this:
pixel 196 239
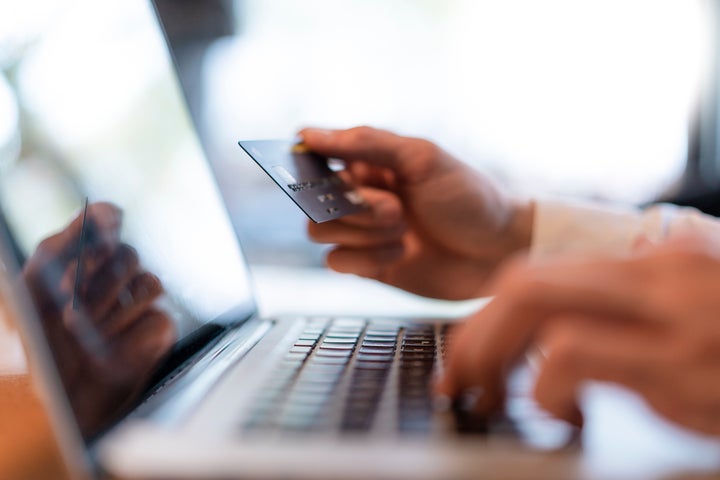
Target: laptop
pixel 199 385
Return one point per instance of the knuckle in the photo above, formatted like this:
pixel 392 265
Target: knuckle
pixel 386 210
pixel 422 150
pixel 45 250
pixel 44 247
pixel 127 254
pixel 360 134
pixel 563 347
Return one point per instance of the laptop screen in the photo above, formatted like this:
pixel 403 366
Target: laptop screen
pixel 127 249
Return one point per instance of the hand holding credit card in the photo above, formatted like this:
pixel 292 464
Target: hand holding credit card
pixel 306 178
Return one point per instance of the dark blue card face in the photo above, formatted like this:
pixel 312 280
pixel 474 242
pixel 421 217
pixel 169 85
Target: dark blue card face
pixel 306 178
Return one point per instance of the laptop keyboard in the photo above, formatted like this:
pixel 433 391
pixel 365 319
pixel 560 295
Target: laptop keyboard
pixel 337 375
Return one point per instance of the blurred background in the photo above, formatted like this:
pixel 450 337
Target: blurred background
pixel 608 99
pixel 592 98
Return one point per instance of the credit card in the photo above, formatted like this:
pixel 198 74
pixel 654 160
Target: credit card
pixel 306 178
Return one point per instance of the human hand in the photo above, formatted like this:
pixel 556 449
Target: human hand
pixel 650 323
pixel 435 226
pixel 108 342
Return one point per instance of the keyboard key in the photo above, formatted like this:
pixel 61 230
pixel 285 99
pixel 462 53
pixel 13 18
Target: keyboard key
pixel 300 349
pixel 313 337
pixel 349 335
pixel 356 423
pixel 311 377
pixel 337 346
pixel 364 357
pixel 326 352
pixel 314 367
pixel 418 343
pixel 317 377
pixel 414 426
pixel 372 366
pixel 388 344
pixel 430 349
pixel 375 351
pixel 377 337
pixel 409 358
pixel 316 389
pixel 347 341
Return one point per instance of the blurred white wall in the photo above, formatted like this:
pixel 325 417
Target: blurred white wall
pixel 585 97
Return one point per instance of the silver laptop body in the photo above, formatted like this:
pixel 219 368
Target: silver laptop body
pixel 236 395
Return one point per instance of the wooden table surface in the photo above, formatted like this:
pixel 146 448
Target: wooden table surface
pixel 27 445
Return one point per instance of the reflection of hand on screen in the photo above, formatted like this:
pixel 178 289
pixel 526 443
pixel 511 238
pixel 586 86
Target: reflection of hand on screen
pixel 105 333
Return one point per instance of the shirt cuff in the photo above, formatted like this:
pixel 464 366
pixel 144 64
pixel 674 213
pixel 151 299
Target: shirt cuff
pixel 572 226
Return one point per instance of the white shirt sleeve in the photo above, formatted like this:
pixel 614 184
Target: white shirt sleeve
pixel 562 226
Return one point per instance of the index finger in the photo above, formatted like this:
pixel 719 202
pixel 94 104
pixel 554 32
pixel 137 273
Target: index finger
pixel 411 158
pixel 490 342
